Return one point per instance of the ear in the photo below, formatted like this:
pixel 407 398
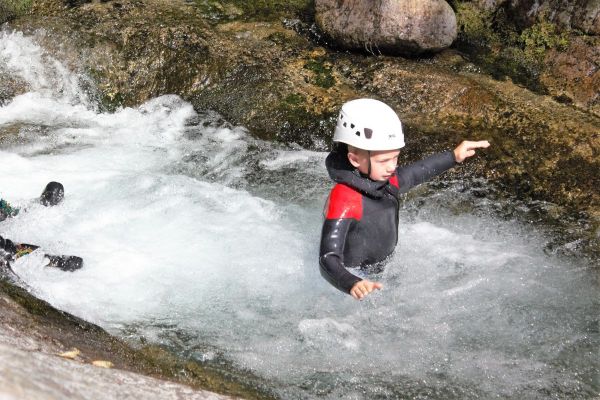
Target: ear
pixel 353 158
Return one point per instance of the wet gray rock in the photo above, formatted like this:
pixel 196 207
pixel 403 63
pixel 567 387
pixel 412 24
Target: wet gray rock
pixel 11 87
pixel 27 374
pixel 397 27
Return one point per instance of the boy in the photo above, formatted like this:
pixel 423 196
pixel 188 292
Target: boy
pixel 361 224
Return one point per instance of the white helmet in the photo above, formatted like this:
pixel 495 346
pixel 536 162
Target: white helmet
pixel 369 124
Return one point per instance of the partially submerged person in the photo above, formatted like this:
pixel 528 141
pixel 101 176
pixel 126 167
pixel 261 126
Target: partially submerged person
pixel 52 195
pixel 361 220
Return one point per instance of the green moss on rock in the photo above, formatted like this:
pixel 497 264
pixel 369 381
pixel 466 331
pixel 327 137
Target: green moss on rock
pixel 493 41
pixel 323 77
pixel 10 9
pixel 541 37
pixel 294 99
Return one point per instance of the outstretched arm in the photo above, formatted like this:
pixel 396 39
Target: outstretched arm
pixel 421 171
pixel 416 173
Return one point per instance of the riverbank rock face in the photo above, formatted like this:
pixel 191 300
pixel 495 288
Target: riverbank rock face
pixel 388 26
pixel 282 86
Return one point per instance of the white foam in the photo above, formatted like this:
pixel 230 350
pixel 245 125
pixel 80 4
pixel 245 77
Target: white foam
pixel 21 56
pixel 285 158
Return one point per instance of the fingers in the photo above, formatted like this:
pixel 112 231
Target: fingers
pixel 482 144
pixel 363 288
pixel 467 149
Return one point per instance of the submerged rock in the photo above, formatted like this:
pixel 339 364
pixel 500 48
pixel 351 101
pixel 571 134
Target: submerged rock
pixel 397 27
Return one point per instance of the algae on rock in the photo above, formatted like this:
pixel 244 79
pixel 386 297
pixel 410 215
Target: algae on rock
pixel 535 55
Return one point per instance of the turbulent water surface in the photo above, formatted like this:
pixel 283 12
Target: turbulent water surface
pixel 200 238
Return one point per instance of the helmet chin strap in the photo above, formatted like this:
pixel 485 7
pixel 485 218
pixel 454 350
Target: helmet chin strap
pixel 369 170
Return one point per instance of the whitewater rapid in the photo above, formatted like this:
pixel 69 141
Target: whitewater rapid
pixel 198 237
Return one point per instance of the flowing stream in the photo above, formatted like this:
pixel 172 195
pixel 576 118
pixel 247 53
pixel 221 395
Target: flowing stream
pixel 198 237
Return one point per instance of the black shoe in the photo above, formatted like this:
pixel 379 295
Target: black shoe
pixel 52 194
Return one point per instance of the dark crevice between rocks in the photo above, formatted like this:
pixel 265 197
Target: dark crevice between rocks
pixel 222 11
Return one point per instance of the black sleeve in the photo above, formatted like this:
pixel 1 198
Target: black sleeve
pixel 331 254
pixel 416 173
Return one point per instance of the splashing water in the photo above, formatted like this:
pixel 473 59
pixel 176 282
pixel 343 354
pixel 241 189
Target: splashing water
pixel 200 238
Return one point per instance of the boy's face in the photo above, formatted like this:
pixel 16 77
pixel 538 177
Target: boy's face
pixel 383 162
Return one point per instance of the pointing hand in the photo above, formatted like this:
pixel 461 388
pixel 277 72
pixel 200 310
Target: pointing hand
pixel 467 149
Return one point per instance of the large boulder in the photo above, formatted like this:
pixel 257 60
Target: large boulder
pixel 389 26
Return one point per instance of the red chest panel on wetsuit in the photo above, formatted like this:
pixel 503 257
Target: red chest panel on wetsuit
pixel 344 202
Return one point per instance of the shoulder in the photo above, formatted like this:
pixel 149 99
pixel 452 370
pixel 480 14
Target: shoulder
pixel 344 202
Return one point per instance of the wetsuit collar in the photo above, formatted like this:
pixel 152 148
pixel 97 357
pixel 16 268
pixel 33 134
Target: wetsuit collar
pixel 341 171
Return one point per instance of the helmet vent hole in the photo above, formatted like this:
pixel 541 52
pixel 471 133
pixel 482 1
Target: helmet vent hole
pixel 368 133
pixel 357 133
pixel 345 124
pixel 351 126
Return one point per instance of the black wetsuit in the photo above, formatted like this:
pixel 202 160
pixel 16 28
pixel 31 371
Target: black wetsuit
pixel 361 222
